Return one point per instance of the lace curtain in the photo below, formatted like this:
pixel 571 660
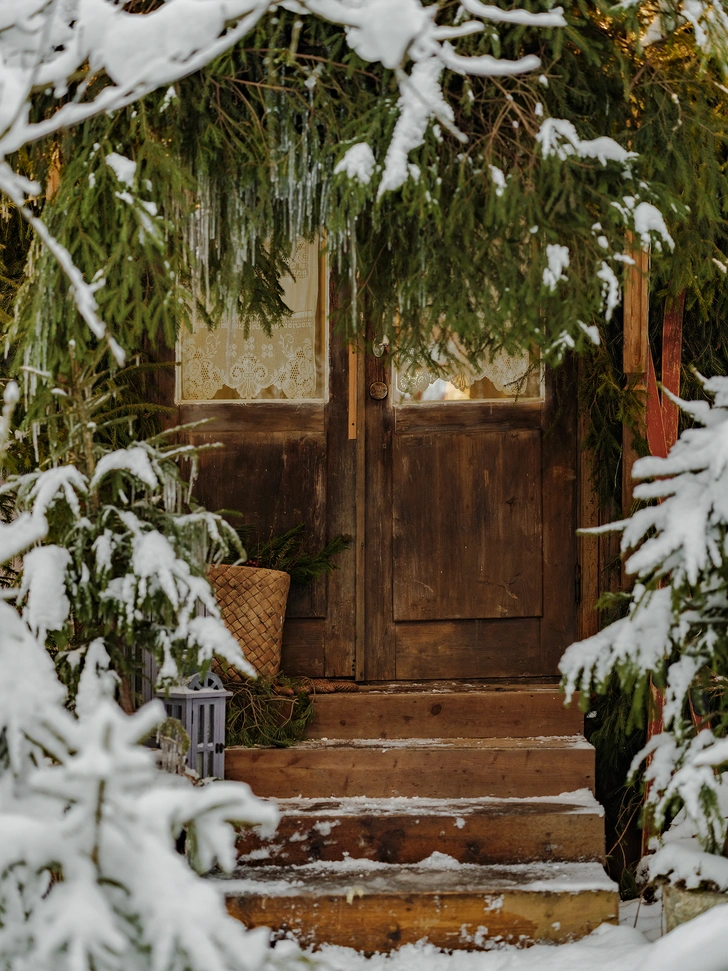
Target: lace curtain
pixel 500 375
pixel 224 364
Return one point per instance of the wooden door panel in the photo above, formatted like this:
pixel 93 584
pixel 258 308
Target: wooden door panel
pixel 469 649
pixel 275 480
pixel 467 525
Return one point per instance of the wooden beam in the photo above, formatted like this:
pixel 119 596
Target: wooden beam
pixel 588 516
pixel 352 421
pixel 672 327
pixel 636 307
pixel 359 362
pixel 635 357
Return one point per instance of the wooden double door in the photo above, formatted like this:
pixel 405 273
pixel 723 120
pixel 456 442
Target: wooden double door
pixel 461 516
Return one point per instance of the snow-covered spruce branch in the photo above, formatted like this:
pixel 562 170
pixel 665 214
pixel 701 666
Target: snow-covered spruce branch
pixel 676 630
pixel 90 877
pixel 89 873
pixel 708 20
pixel 112 57
pixel 122 562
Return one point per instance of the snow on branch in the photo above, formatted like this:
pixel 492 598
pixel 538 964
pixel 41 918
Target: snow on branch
pixel 45 43
pixel 708 20
pixel 676 628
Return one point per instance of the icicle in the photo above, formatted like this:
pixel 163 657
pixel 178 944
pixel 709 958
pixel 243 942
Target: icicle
pixel 193 476
pixel 170 493
pixel 351 232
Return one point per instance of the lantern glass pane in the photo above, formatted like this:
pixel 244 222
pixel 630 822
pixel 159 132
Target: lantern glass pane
pixel 211 723
pixel 200 765
pixel 201 724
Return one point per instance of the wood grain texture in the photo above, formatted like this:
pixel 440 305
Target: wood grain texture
pixel 672 329
pixel 587 546
pixel 635 312
pixel 559 621
pixel 467 526
pixel 448 912
pixel 340 627
pixel 461 768
pixel 470 831
pixel 445 714
pixel 361 520
pixel 275 481
pixel 283 417
pixel 635 359
pixel 454 416
pixel 379 647
pixel 303 653
pixel 470 649
pixel 353 393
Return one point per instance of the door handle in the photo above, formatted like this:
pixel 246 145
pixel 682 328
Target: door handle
pixel 378 390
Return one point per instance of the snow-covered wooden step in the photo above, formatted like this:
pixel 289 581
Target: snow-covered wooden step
pixel 481 711
pixel 434 768
pixel 378 907
pixel 569 827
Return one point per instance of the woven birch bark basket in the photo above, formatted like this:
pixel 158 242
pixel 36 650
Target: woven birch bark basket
pixel 252 602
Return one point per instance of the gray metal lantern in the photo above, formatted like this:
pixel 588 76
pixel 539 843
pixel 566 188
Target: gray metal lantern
pixel 200 706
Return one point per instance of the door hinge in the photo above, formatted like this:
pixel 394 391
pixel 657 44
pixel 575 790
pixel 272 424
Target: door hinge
pixel 577 584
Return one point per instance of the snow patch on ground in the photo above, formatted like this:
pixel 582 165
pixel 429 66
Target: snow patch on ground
pixel 635 945
pixel 607 949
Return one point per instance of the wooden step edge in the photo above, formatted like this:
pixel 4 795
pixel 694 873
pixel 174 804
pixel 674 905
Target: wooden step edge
pixel 444 713
pixel 558 742
pixel 461 768
pixel 466 686
pixel 569 827
pixel 497 835
pixel 575 802
pixel 436 876
pixel 381 907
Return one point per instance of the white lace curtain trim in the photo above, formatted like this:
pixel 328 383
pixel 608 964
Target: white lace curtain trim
pixel 506 372
pixel 214 359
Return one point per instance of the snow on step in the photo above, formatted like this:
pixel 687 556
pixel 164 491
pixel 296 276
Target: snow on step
pixel 567 827
pixel 379 906
pixel 458 767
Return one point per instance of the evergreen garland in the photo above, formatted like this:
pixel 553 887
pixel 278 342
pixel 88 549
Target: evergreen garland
pixel 272 712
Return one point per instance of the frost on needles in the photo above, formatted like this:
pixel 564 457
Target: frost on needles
pixel 676 628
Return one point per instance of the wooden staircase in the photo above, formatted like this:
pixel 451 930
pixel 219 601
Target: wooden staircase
pixel 459 814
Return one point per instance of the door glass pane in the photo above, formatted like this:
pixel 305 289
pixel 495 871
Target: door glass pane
pixel 498 377
pixel 224 365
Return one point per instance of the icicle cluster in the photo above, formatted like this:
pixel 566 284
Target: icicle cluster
pixel 43 45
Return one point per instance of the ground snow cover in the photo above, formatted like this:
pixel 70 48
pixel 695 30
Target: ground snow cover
pixel 701 945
